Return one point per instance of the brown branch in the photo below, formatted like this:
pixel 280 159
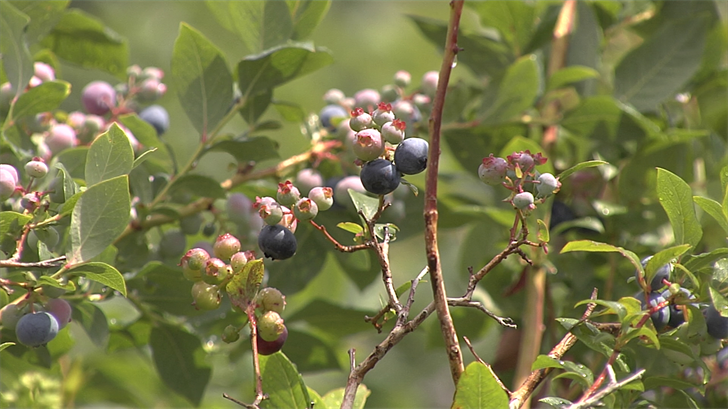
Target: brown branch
pixel 452 345
pixel 465 302
pixel 50 263
pixel 340 247
pixel 519 396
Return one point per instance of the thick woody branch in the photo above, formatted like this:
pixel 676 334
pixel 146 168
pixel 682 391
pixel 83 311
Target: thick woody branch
pixel 430 213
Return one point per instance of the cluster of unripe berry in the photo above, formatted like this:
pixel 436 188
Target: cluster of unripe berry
pixel 36 324
pixel 669 299
pixel 53 133
pixel 211 275
pixel 518 174
pixel 282 213
pixel 374 125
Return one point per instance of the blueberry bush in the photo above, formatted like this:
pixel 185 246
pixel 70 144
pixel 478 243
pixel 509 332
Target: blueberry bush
pixel 531 212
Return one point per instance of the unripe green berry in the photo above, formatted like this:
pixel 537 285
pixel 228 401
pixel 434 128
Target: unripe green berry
pixel 225 246
pixel 305 209
pixel 36 168
pixel 216 271
pixel 270 211
pixel 195 258
pixel 402 78
pixel 287 193
pixel 270 326
pixel 206 297
pixel 524 201
pixel 322 196
pixel 271 299
pixel 240 259
pixel 230 334
pixel 10 315
pixel 548 184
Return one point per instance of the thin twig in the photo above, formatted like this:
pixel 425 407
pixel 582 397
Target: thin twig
pixel 520 395
pixel 612 386
pixel 340 247
pixel 50 263
pixel 447 327
pixel 464 302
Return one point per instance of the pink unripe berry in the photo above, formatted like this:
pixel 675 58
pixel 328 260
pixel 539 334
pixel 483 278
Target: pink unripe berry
pixel 367 98
pixel 8 181
pixel 270 211
pixel 334 96
pixel 360 120
pixel 402 78
pixel 60 309
pixel 98 97
pixel 368 145
pixel 393 132
pixel 287 193
pixel 60 137
pixel 216 271
pixel 493 170
pixel 305 209
pixel 429 83
pixel 308 179
pixel 195 258
pixel 44 71
pixel 225 246
pixel 240 259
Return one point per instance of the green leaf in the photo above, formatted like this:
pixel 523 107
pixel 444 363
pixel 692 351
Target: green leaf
pixel 555 402
pixel 478 387
pixel 719 302
pixel 162 287
pixel 147 136
pixel 573 371
pixel 292 275
pixel 201 76
pixel 676 198
pixel 277 66
pixel 180 361
pixel 244 285
pixel 260 25
pixel 11 223
pixel 82 39
pixel 101 273
pixel 6 344
pixel 714 209
pixel 602 109
pixel 570 75
pixel 255 106
pixel 333 398
pixel 543 231
pixel 197 185
pixel 331 318
pixel 44 15
pixel 696 262
pixel 663 257
pixel 659 67
pixel 46 280
pixel 109 156
pixel 43 98
pixel 17 62
pixel 310 352
pixel 290 111
pixel 350 227
pixel 306 16
pixel 597 247
pixel 282 383
pixel 514 20
pixel 92 320
pixel 257 148
pixel 613 307
pixel 518 90
pixel 579 166
pixel 363 203
pixel 99 217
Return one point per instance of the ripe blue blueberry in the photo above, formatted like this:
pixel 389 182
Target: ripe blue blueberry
pixel 277 242
pixel 36 329
pixel 98 97
pixel 410 157
pixel 156 116
pixel 329 115
pixel 716 323
pixel 661 317
pixel 379 177
pixel 663 273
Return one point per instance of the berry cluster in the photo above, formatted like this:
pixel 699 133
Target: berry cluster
pixel 212 274
pixel 54 132
pixel 374 125
pixel 282 213
pixel 36 324
pixel 518 174
pixel 667 301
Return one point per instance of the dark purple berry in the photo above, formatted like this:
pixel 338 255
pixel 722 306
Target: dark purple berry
pixel 661 317
pixel 716 323
pixel 60 309
pixel 156 116
pixel 277 242
pixel 379 177
pixel 36 329
pixel 663 273
pixel 410 157
pixel 331 115
pixel 268 348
